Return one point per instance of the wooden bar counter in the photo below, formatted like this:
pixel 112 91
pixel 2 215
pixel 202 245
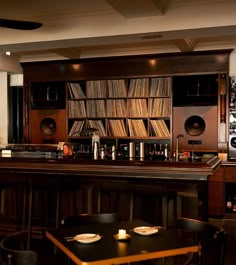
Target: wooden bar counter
pixel 83 185
pixel 111 168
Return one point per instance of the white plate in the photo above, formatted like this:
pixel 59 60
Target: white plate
pixel 87 238
pixel 145 230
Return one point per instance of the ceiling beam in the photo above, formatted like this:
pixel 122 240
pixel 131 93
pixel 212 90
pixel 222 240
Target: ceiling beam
pixel 71 53
pixel 10 64
pixel 139 8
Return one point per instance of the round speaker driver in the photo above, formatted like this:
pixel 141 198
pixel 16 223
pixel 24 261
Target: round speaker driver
pixel 195 125
pixel 48 126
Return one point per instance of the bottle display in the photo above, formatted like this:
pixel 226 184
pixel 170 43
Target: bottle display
pixel 232 95
pixel 232 120
pixel 234 204
pixel 131 151
pixel 113 152
pixel 95 142
pixel 102 152
pixel 141 151
pixel 229 204
pixel 166 152
pixel 232 107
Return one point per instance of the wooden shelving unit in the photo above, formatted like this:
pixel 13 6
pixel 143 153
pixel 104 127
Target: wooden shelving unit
pixel 128 71
pixel 121 108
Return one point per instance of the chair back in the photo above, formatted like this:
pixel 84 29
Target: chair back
pixel 211 237
pixel 84 219
pixel 13 250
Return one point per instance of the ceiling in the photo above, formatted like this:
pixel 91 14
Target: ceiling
pixel 97 28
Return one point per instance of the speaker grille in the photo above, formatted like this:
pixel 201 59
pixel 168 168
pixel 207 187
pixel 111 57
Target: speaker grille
pixel 48 126
pixel 195 125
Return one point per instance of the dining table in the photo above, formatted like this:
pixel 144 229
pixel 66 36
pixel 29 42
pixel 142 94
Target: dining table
pixel 120 242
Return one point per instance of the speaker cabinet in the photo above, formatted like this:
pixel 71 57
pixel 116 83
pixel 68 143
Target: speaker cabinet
pixel 48 126
pixel 198 125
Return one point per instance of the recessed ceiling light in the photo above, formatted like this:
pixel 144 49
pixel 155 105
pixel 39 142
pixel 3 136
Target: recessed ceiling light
pixel 8 53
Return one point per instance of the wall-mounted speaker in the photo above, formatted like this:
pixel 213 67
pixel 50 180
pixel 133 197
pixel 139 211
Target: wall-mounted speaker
pixel 199 127
pixel 48 126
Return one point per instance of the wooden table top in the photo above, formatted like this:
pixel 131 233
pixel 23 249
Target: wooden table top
pixel 108 250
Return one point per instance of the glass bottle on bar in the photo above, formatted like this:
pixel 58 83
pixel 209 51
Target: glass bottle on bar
pixel 161 150
pixel 229 204
pixel 234 204
pixel 166 152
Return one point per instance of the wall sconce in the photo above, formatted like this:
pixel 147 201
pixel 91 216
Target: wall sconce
pixel 76 67
pixel 153 62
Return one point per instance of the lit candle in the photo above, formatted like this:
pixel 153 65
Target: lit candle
pixel 122 233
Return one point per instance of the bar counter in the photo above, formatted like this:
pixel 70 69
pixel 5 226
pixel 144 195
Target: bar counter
pixel 111 168
pixel 126 184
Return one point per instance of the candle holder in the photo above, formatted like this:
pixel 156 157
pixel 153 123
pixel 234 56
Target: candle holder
pixel 122 235
pixel 125 238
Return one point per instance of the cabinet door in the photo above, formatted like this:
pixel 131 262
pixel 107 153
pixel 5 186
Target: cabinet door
pixel 48 95
pixel 216 193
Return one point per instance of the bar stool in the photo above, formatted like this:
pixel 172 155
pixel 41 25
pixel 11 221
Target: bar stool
pixel 184 197
pixel 13 201
pixel 108 197
pixel 169 209
pixel 112 196
pixel 77 195
pixel 164 205
pixel 49 185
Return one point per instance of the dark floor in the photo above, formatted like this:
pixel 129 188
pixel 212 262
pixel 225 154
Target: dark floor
pixel 46 250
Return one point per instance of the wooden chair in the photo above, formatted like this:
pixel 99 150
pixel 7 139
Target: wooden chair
pixel 211 237
pixel 83 219
pixel 13 250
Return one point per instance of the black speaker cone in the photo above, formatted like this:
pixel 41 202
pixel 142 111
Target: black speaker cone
pixel 194 125
pixel 48 126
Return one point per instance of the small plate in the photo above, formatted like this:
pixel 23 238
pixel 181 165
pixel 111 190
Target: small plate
pixel 127 237
pixel 145 230
pixel 87 238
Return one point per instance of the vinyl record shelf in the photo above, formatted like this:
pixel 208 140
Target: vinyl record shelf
pixel 124 108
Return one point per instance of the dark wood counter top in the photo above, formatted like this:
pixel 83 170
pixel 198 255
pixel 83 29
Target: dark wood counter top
pixel 111 168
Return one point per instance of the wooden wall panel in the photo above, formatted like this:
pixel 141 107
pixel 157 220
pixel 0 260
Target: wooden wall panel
pixel 216 200
pixel 128 66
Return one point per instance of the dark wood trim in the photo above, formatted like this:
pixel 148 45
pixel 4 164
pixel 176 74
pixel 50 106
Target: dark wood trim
pixel 128 66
